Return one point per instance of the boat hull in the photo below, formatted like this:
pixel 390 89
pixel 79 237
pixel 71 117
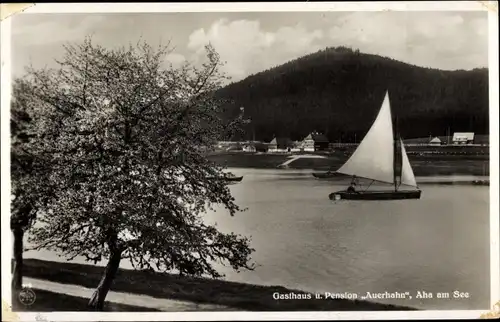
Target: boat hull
pixel 376 195
pixel 234 179
pixel 230 179
pixel 481 182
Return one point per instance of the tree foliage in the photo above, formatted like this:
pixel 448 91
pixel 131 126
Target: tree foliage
pixel 29 191
pixel 23 162
pixel 126 135
pixel 339 91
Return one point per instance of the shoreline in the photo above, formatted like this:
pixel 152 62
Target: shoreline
pixel 423 165
pixel 48 301
pixel 241 296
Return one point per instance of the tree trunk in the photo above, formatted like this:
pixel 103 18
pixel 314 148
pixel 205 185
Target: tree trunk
pixel 17 274
pixel 96 302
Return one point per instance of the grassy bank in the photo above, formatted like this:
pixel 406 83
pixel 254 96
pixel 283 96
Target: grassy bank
pixel 49 301
pixel 423 165
pixel 200 290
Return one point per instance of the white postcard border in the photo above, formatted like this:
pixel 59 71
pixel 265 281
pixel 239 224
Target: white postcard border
pixel 491 6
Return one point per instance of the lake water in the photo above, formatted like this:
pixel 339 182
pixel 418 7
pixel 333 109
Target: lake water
pixel 303 240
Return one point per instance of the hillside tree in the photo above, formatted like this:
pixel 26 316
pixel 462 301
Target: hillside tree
pixel 126 135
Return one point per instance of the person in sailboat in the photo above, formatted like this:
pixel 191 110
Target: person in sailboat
pixel 352 188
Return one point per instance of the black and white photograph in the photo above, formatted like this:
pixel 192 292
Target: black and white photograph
pixel 246 159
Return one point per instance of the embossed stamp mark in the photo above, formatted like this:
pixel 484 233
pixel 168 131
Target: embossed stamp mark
pixel 27 296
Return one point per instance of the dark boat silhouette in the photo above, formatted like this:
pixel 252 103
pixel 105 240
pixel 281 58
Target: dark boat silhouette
pixel 234 178
pixel 231 178
pixel 325 175
pixel 459 182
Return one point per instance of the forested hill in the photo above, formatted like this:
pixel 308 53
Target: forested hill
pixel 339 91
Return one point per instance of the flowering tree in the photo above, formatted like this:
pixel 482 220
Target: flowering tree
pixel 27 173
pixel 126 139
pixel 22 211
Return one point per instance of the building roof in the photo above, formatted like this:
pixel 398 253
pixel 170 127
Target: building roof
pixel 281 142
pixel 435 140
pixel 316 137
pixel 457 136
pixel 320 138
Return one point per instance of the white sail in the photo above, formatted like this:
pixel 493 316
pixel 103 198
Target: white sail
pixel 407 176
pixel 374 157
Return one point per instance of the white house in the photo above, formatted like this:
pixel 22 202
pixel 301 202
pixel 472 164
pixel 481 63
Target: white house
pixel 273 145
pixel 315 142
pixel 435 141
pixel 280 144
pixel 463 138
pixel 308 144
pixel 249 148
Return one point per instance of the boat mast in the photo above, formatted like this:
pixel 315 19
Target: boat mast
pixel 395 159
pixel 394 166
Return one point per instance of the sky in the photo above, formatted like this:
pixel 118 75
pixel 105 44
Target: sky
pixel 251 42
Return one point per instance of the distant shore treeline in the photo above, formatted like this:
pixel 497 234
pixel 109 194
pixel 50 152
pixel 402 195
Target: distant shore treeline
pixel 338 91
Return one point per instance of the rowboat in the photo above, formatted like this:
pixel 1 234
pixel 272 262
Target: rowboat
pixel 230 178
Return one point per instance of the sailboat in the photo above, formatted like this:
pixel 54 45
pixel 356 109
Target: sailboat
pixel 377 159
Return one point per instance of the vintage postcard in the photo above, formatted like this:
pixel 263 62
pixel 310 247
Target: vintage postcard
pixel 250 161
